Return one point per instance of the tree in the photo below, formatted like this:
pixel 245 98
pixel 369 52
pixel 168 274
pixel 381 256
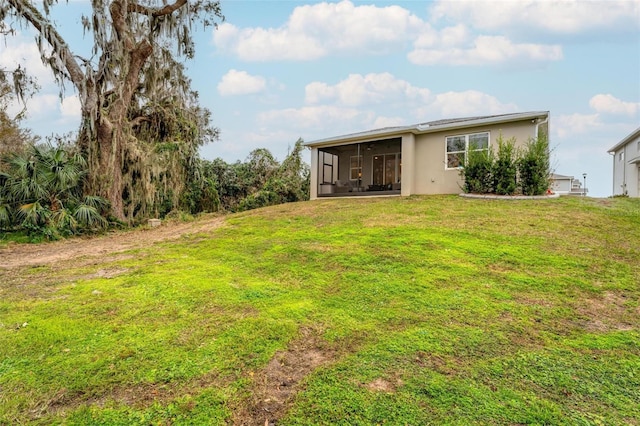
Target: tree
pixel 14 86
pixel 133 60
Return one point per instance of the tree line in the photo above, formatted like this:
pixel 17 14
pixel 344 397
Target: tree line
pixel 136 153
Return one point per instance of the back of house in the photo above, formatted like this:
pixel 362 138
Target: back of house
pixel 419 159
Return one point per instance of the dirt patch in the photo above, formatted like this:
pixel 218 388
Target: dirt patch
pixel 446 366
pixel 21 255
pixel 275 387
pixel 383 385
pixel 610 312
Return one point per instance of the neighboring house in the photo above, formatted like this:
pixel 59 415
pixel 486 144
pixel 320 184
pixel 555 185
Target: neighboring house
pixel 626 165
pixel 567 185
pixel 420 159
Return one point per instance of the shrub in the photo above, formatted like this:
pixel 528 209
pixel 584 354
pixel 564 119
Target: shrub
pixel 534 166
pixel 505 168
pixel 477 172
pixel 509 170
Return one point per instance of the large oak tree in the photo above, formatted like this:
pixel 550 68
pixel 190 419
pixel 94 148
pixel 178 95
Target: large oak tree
pixel 128 89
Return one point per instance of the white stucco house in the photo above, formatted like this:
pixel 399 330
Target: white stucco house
pixel 423 158
pixel 626 165
pixel 567 185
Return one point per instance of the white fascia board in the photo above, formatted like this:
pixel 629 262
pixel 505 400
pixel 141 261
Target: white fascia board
pixel 633 135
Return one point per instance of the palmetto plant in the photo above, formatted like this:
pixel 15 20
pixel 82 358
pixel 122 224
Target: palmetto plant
pixel 41 191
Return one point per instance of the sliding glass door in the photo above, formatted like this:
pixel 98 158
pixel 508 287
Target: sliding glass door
pixel 387 169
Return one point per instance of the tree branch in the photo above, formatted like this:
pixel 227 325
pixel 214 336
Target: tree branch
pixel 26 10
pixel 139 120
pixel 166 10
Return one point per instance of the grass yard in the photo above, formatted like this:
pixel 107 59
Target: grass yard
pixel 419 310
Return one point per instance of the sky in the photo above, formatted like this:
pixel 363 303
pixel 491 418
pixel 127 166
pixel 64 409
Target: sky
pixel 277 71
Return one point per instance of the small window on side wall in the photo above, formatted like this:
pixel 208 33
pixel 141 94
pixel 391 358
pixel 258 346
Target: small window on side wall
pixel 621 156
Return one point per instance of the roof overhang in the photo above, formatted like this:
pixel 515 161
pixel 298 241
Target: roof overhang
pixel 635 160
pixel 433 127
pixel 633 135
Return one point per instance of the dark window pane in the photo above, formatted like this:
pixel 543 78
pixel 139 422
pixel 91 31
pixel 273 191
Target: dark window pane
pixel 479 141
pixel 455 143
pixel 455 160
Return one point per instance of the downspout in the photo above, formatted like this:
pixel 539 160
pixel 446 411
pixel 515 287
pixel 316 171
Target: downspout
pixel 624 170
pixel 545 121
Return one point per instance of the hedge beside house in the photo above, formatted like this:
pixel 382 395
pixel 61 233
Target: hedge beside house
pixel 509 171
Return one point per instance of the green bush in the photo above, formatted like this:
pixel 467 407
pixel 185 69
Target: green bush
pixel 41 193
pixel 509 171
pixel 505 167
pixel 534 166
pixel 478 172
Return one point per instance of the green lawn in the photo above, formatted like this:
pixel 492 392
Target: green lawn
pixel 421 310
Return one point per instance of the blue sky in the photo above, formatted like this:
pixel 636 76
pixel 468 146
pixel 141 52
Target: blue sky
pixel 275 71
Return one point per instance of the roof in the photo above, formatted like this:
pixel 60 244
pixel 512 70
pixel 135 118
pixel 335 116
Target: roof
pixel 633 135
pixel 430 127
pixel 556 176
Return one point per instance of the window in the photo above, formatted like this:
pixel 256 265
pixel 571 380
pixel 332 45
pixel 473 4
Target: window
pixel 329 167
pixel 621 156
pixel 458 146
pixel 638 146
pixel 355 167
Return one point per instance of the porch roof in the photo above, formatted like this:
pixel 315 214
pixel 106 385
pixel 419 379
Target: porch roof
pixel 428 127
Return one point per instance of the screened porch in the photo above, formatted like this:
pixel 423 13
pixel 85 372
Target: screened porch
pixel 360 169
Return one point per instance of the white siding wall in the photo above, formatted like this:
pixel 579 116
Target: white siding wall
pixel 625 174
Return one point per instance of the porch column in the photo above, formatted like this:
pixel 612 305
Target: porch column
pixel 408 164
pixel 313 190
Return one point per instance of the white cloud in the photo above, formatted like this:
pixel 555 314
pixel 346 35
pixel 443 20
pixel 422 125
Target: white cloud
pixel 561 17
pixel 20 50
pixel 485 50
pixel 42 105
pixel 240 83
pixel 575 124
pixel 71 108
pixel 467 103
pixel 314 31
pixel 361 102
pixel 319 30
pixel 609 104
pixel 320 117
pixel 369 89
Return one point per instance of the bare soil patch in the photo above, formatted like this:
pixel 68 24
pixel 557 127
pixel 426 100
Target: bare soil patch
pixel 22 255
pixel 608 313
pixel 275 387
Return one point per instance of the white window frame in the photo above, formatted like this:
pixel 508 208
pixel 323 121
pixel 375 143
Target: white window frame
pixel 466 148
pixel 621 156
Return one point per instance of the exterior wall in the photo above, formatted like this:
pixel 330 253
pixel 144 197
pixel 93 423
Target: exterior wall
pixel 619 171
pixel 626 165
pixel 408 164
pixel 626 175
pixel 561 186
pixel 314 174
pixel 431 175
